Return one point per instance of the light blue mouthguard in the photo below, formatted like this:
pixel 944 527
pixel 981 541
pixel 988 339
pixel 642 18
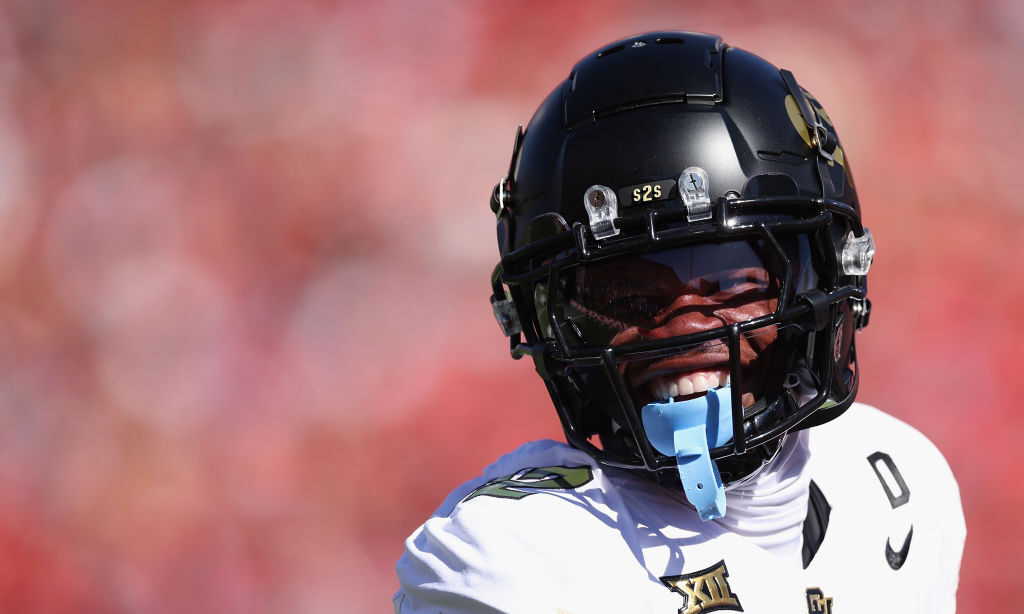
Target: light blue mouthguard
pixel 688 430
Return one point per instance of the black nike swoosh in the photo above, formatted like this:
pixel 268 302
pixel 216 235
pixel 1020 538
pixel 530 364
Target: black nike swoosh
pixel 896 559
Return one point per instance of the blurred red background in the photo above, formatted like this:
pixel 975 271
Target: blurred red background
pixel 245 341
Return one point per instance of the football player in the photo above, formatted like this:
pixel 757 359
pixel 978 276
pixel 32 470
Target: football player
pixel 684 261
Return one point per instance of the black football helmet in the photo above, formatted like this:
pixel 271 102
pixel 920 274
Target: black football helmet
pixel 679 216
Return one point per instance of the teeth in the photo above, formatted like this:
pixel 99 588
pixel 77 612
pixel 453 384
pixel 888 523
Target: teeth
pixel 667 388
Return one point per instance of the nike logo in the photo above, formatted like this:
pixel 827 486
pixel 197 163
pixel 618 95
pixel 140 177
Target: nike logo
pixel 896 559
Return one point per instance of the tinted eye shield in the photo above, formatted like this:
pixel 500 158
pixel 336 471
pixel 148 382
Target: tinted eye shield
pixel 663 293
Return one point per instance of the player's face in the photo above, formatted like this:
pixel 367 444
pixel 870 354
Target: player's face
pixel 679 292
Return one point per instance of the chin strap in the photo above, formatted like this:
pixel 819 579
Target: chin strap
pixel 688 430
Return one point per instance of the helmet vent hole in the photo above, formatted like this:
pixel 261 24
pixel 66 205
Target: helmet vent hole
pixel 610 50
pixel 700 485
pixel 668 41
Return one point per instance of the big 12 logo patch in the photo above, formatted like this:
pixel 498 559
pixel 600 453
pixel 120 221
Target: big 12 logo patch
pixel 706 590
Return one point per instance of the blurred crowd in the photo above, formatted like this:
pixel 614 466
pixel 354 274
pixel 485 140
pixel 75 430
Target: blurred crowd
pixel 245 343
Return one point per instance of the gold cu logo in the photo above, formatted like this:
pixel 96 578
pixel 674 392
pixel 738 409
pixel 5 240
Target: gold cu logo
pixel 817 602
pixel 706 590
pixel 793 110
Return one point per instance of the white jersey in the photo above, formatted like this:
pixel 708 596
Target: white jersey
pixel 547 530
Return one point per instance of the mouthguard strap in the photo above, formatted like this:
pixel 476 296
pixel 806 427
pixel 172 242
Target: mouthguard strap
pixel 688 430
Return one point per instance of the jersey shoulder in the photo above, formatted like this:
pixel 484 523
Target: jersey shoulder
pixel 518 472
pixel 866 434
pixel 893 508
pixel 522 536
